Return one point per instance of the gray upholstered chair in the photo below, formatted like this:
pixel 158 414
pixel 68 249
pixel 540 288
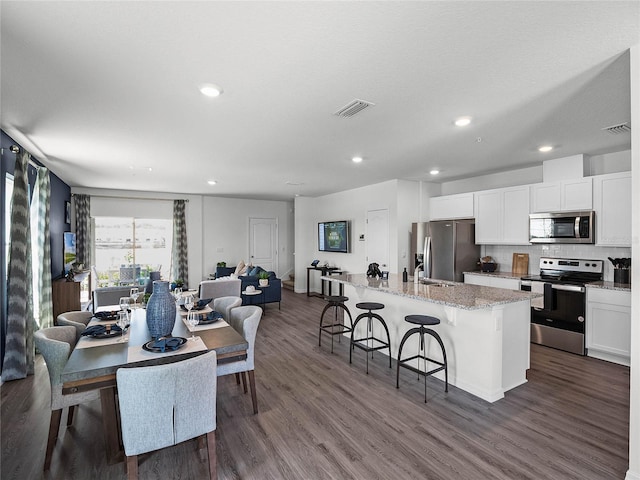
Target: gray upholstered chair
pixel 55 344
pixel 164 405
pixel 244 320
pixel 224 305
pixel 78 320
pixel 109 296
pixel 220 288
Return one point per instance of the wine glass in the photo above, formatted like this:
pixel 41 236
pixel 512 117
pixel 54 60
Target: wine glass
pixel 123 321
pixel 188 303
pixel 193 320
pixel 135 293
pixel 177 293
pixel 124 305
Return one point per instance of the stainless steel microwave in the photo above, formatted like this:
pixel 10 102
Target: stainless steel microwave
pixel 562 227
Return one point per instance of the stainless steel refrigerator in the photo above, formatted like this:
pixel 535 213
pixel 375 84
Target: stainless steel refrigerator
pixel 447 248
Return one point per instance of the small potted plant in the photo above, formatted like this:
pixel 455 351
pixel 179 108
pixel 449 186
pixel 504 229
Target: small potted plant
pixel 263 278
pixel 221 264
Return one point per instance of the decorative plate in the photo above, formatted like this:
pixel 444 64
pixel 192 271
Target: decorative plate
pixel 151 346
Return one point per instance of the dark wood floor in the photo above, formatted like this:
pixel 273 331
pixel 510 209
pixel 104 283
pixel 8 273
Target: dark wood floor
pixel 323 418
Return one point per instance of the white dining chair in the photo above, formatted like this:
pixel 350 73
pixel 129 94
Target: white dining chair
pixel 55 344
pixel 245 320
pixel 164 405
pixel 223 305
pixel 78 320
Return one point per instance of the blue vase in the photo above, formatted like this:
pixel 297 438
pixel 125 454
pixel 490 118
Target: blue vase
pixel 153 276
pixel 161 310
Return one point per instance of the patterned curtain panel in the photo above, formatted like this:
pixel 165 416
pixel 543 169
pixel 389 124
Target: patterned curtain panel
pixel 179 264
pixel 83 229
pixel 19 348
pixel 40 231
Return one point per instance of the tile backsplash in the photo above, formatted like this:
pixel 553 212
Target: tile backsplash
pixel 503 254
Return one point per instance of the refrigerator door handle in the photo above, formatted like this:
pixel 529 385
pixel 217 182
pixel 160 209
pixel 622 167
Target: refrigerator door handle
pixel 427 257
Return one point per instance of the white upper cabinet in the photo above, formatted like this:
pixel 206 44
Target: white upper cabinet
pixel 612 204
pixel 502 216
pixel 563 196
pixel 449 207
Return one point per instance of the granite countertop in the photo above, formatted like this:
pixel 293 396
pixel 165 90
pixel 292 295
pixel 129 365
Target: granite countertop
pixel 516 276
pixel 623 287
pixel 458 295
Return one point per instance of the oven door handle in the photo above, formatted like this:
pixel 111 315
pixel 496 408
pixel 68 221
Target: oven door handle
pixel 568 288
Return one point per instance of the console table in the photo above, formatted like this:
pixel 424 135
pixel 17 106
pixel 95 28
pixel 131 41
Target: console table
pixel 324 271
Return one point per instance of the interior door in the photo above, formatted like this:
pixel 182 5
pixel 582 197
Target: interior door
pixel 263 243
pixel 377 238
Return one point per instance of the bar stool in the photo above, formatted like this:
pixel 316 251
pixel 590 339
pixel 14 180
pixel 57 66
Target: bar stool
pixel 370 343
pixel 336 302
pixel 422 321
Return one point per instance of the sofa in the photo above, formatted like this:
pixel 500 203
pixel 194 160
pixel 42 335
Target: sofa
pixel 272 294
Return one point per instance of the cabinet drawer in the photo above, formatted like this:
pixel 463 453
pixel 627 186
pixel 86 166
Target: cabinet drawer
pixel 613 297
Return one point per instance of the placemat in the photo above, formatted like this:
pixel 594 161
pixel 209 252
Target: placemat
pixel 218 324
pixel 137 354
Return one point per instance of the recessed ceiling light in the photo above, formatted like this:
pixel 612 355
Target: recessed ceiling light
pixel 462 121
pixel 210 90
pixel 435 171
pixel 356 159
pixel 545 148
pixel 211 182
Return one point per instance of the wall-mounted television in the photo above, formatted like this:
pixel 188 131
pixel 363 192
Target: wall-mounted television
pixel 69 251
pixel 333 236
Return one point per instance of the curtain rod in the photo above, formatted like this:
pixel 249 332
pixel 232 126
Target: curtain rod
pixel 16 149
pixel 133 198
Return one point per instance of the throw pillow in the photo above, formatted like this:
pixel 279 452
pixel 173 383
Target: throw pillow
pixel 240 268
pixel 255 271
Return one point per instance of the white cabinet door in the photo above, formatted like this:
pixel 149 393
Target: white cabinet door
pixel 502 216
pixel 449 207
pixel 489 208
pixel 545 197
pixel 609 325
pixel 576 194
pixel 564 196
pixel 516 216
pixel 612 204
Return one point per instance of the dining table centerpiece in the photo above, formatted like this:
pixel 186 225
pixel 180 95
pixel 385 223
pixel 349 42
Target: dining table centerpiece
pixel 161 310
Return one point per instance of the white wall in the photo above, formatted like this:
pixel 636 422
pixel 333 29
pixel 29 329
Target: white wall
pixel 634 411
pixel 352 205
pixel 225 231
pixel 593 165
pixel 217 227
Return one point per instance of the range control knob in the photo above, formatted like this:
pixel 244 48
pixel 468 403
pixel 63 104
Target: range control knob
pixel 581 318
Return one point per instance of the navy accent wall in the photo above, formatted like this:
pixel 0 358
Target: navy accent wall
pixel 60 193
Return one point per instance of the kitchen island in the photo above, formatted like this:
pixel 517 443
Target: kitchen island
pixel 485 330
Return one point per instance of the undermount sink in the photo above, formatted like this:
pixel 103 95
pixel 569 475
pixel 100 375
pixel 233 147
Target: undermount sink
pixel 434 283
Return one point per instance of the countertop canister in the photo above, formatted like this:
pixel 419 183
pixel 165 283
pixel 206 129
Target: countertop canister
pixel 161 310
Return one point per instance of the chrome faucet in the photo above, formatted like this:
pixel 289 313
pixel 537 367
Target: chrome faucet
pixel 416 272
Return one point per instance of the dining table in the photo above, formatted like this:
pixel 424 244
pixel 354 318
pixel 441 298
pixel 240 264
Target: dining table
pixel 93 362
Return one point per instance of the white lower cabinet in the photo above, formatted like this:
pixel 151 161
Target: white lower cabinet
pixel 492 281
pixel 608 335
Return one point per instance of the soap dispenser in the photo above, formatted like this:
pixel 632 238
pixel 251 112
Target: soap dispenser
pixel 405 275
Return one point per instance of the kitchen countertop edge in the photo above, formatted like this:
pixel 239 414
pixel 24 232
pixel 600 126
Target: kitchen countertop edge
pixel 481 292
pixel 622 287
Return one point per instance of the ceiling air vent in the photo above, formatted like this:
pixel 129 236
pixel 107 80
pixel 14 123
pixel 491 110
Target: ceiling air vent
pixel 616 129
pixel 352 108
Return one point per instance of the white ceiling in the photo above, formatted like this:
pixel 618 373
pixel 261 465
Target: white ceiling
pixel 96 88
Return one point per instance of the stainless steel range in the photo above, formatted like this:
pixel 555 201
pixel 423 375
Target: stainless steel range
pixel 557 318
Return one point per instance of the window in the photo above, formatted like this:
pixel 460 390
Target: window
pixel 127 249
